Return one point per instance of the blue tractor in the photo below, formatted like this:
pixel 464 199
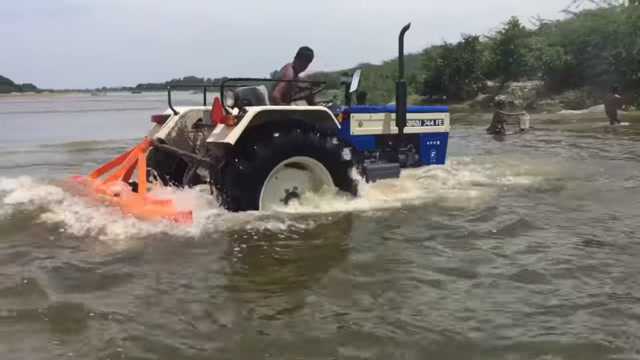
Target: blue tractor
pixel 257 156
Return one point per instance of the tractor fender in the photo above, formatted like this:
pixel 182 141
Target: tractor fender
pixel 316 116
pixel 178 123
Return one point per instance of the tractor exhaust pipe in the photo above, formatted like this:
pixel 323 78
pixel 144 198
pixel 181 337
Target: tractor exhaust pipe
pixel 401 86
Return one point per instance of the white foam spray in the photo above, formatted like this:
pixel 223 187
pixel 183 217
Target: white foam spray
pixel 463 183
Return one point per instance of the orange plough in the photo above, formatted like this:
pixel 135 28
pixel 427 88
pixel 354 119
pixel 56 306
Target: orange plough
pixel 110 184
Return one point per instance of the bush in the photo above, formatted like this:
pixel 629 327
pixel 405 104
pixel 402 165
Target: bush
pixel 593 48
pixel 454 70
pixel 509 52
pixel 603 45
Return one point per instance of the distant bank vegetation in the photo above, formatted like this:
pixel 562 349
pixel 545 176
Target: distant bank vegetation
pixel 8 86
pixel 590 49
pixel 183 83
pixel 579 57
pixel 573 61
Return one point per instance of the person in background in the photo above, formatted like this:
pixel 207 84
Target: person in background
pixel 612 103
pixel 498 121
pixel 284 91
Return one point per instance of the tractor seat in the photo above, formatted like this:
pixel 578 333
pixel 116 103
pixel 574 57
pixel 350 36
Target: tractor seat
pixel 252 96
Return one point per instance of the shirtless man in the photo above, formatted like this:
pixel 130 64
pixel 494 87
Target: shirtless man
pixel 612 103
pixel 283 92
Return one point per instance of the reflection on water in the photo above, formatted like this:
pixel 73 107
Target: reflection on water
pixel 277 262
pixel 524 248
pixel 28 120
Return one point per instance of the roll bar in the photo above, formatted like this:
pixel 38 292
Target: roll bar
pixel 202 86
pixel 225 84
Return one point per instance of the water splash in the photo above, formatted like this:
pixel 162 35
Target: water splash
pixel 82 217
pixel 464 183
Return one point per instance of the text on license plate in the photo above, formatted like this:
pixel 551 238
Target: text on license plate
pixel 425 123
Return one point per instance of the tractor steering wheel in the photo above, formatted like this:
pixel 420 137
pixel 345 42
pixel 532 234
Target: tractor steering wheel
pixel 305 90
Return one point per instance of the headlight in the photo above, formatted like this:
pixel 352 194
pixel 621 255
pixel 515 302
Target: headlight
pixel 229 98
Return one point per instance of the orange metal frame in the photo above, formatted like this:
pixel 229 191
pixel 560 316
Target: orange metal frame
pixel 115 190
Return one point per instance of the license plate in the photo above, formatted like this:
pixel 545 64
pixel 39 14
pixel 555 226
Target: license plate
pixel 425 123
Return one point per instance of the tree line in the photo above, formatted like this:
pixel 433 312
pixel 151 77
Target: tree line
pixel 8 86
pixel 592 48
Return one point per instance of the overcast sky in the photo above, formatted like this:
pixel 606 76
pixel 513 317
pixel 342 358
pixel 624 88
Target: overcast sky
pixel 91 43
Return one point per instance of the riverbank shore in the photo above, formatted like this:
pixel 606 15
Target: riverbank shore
pixel 458 110
pixel 43 94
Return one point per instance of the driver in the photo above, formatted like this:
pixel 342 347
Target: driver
pixel 284 92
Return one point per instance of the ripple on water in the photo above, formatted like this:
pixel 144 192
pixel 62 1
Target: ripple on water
pixel 22 293
pixel 521 249
pixel 73 278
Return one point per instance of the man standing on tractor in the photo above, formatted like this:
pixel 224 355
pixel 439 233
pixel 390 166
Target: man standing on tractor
pixel 284 91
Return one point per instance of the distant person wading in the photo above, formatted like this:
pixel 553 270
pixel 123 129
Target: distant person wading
pixel 612 103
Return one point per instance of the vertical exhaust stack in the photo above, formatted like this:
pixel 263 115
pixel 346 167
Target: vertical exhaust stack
pixel 401 86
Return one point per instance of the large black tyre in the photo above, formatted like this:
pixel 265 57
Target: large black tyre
pixel 240 182
pixel 166 167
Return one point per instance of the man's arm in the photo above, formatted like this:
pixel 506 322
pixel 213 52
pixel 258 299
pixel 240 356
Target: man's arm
pixel 311 100
pixel 620 102
pixel 280 91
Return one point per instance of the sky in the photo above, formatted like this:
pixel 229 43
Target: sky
pixel 64 44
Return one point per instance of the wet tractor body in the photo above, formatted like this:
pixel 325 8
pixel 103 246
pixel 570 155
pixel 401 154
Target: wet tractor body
pixel 256 156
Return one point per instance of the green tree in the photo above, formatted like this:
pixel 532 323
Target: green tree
pixel 603 46
pixel 509 52
pixel 454 70
pixel 550 63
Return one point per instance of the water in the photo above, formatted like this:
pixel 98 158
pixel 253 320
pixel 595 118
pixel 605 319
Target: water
pixel 524 248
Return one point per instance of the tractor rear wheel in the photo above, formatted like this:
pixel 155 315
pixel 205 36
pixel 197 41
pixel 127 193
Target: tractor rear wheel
pixel 282 168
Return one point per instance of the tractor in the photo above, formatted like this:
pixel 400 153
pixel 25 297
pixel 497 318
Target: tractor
pixel 257 156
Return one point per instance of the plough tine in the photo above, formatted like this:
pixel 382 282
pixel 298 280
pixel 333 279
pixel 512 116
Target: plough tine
pixel 142 174
pixel 126 169
pixel 110 165
pixel 137 203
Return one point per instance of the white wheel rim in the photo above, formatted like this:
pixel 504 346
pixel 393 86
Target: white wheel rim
pixel 292 178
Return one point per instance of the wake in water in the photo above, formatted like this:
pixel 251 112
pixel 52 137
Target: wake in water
pixel 463 184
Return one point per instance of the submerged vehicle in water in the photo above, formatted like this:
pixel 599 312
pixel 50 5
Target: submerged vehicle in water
pixel 257 156
pixel 504 123
pixel 508 123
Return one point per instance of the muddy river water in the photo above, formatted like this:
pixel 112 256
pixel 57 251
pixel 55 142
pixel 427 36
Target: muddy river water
pixel 519 248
